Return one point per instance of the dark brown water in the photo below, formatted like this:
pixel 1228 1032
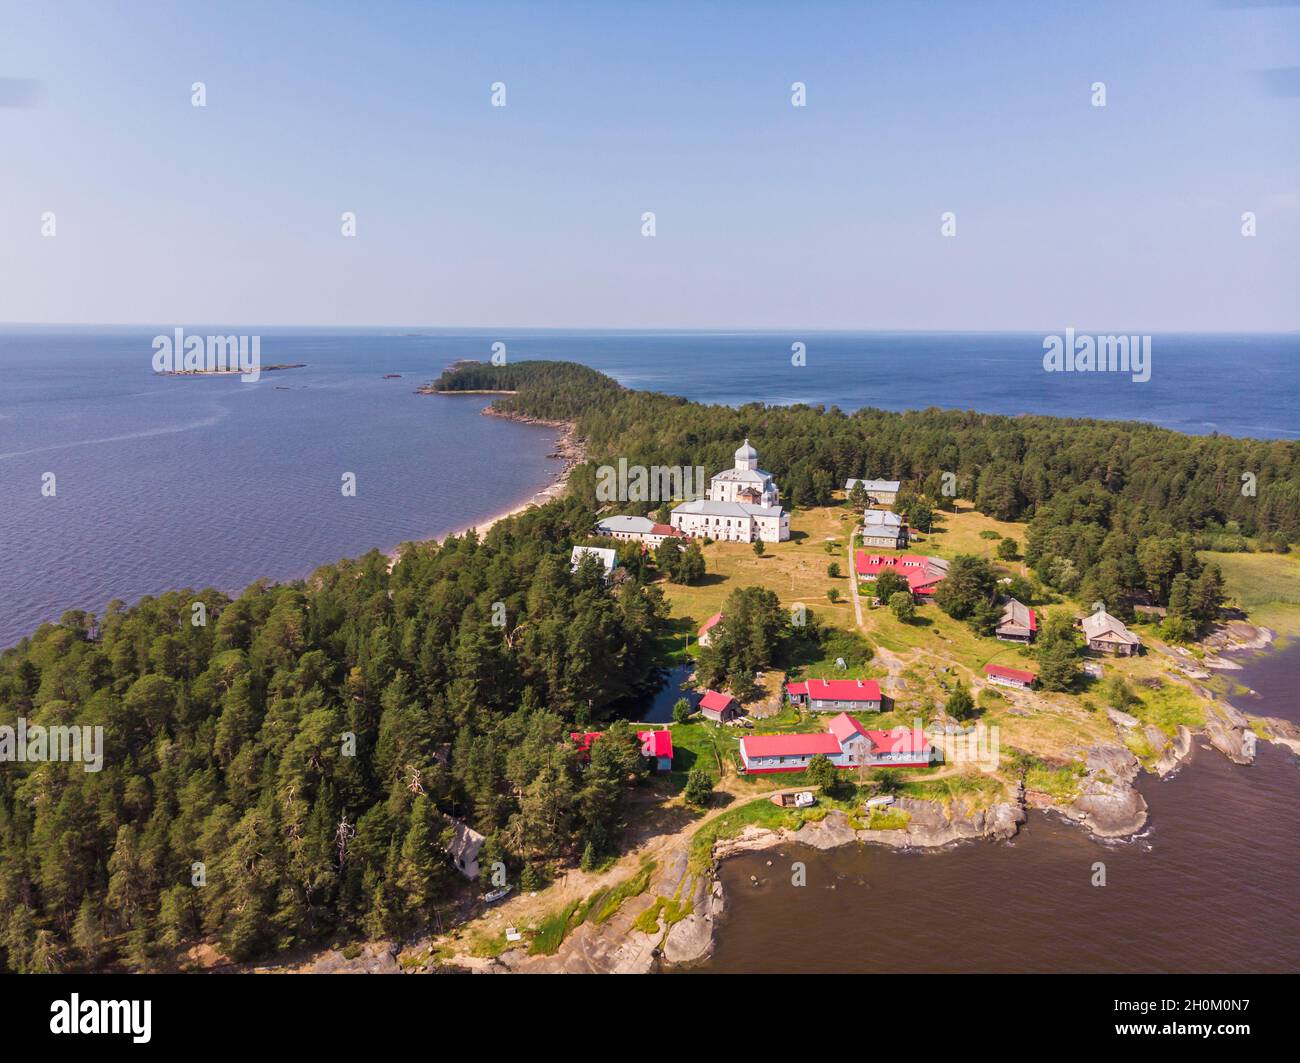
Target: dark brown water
pixel 1213 884
pixel 1275 680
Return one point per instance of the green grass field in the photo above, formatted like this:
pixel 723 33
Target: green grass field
pixel 1267 586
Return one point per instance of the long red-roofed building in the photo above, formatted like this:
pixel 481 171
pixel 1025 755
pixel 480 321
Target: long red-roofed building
pixel 845 743
pixel 1010 677
pixel 923 574
pixel 836 695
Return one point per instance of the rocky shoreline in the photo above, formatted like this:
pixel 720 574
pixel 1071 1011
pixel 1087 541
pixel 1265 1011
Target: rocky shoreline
pixel 568 448
pixel 1107 804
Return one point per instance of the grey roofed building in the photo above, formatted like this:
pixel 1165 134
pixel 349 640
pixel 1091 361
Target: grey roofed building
pixel 877 488
pixel 754 476
pixel 1018 622
pixel 709 508
pixel 883 529
pixel 626 525
pixel 465 845
pixel 1108 635
pixel 881 518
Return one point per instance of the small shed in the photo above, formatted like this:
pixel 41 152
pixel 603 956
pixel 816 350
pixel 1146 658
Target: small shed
pixel 718 707
pixel 464 847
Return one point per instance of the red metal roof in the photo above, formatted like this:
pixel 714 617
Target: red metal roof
pixel 837 689
pixel 844 727
pixel 712 699
pixel 653 743
pixel 666 529
pixel 656 743
pixel 793 745
pixel 1018 674
pixel 899 740
pixel 583 739
pixel 1033 620
pixel 915 568
pixel 708 624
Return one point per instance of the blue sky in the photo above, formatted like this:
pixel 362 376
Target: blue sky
pixel 768 216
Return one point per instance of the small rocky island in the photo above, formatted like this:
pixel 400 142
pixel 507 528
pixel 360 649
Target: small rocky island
pixel 236 371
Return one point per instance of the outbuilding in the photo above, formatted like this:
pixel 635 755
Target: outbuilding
pixel 718 707
pixel 1010 677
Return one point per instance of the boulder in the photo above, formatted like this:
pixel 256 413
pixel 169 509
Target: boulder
pixel 1122 719
pixel 1107 804
pixel 1229 732
pixel 1174 750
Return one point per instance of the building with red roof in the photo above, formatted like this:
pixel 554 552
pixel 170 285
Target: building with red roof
pixel 836 695
pixel 845 743
pixel 923 574
pixel 708 626
pixel 655 745
pixel 718 707
pixel 1010 677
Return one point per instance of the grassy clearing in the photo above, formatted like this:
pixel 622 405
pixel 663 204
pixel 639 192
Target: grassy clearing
pixel 794 570
pixel 701 744
pixel 1169 707
pixel 624 891
pixel 889 819
pixel 552 930
pixel 1062 783
pixel 546 938
pixel 759 813
pixel 963 532
pixel 1267 586
pixel 974 789
pixel 670 908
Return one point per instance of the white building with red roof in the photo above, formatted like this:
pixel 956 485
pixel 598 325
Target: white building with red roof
pixel 845 743
pixel 836 695
pixel 705 636
pixel 1010 677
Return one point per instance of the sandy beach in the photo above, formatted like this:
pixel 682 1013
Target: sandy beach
pixel 568 447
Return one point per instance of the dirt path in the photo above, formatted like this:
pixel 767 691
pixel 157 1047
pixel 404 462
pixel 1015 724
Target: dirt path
pixel 853 575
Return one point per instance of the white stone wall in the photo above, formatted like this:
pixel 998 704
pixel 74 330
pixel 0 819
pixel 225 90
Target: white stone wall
pixel 726 529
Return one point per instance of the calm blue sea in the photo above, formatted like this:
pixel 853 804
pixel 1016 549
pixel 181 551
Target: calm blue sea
pixel 173 482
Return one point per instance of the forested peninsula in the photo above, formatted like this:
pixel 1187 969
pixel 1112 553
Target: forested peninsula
pixel 285 773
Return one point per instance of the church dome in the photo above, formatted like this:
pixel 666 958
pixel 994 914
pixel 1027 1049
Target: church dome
pixel 746 452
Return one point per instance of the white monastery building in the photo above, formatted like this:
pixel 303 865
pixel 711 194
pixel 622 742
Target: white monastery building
pixel 743 505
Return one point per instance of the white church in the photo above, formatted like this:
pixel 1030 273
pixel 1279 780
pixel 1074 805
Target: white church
pixel 743 505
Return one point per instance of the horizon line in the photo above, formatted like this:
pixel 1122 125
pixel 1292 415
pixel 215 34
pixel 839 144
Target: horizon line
pixel 786 330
